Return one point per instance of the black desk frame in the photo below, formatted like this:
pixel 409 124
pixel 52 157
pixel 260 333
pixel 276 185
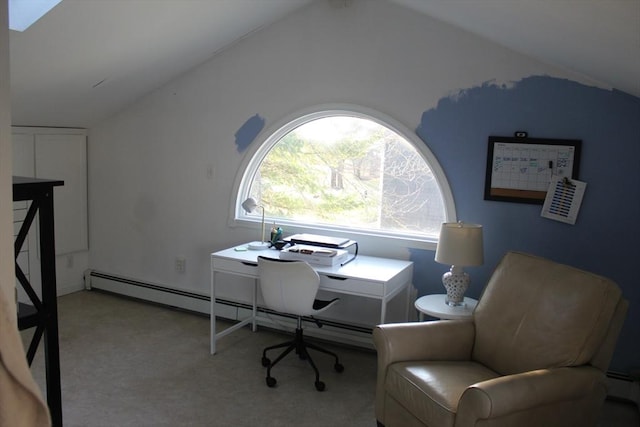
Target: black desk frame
pixel 43 315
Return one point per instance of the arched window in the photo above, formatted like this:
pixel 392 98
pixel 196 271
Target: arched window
pixel 341 170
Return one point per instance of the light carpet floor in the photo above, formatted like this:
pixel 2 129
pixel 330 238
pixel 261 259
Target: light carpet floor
pixel 129 363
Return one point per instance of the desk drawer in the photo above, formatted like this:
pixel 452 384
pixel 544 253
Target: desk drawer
pixel 243 268
pixel 351 286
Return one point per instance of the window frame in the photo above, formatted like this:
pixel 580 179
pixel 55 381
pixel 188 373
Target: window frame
pixel 267 139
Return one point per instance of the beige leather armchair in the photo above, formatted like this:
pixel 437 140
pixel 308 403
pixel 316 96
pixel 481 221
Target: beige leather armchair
pixel 534 353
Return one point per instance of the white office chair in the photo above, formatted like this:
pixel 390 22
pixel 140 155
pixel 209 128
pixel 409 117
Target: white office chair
pixel 290 287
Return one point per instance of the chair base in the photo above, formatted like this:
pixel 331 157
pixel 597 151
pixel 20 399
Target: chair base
pixel 300 346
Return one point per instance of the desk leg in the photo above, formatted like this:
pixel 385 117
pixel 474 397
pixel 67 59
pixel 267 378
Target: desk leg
pixel 383 309
pixel 213 311
pixel 408 306
pixel 254 310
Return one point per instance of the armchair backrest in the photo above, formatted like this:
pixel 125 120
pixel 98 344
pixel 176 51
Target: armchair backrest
pixel 288 286
pixel 536 314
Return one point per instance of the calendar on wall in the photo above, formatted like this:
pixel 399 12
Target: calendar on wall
pixel 521 169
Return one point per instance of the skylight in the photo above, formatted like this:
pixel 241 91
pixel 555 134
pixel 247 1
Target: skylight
pixel 23 13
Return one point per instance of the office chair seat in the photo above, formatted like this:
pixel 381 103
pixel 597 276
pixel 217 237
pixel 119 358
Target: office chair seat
pixel 290 286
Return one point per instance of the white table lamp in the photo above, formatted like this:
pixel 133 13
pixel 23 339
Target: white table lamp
pixel 249 206
pixel 460 245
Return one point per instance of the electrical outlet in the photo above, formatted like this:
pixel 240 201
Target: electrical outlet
pixel 181 264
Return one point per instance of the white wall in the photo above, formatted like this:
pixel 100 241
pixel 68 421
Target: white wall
pixel 7 274
pixel 150 197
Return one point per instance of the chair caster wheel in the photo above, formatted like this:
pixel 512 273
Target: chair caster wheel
pixel 338 367
pixel 319 386
pixel 266 362
pixel 271 382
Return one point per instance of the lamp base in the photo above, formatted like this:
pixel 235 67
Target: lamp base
pixel 456 282
pixel 258 246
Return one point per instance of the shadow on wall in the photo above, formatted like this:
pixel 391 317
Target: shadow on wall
pixel 604 238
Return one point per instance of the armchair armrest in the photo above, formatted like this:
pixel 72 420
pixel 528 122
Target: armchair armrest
pixel 438 340
pixel 528 394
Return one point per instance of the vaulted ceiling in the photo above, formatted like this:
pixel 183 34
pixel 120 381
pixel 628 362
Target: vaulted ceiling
pixel 87 59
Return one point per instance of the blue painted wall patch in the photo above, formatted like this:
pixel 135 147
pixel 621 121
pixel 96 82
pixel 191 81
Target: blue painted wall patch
pixel 248 132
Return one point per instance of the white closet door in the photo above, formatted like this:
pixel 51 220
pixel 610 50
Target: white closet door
pixel 23 151
pixel 64 157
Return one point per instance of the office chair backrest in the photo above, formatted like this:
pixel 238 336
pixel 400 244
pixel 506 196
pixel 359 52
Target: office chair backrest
pixel 288 286
pixel 536 313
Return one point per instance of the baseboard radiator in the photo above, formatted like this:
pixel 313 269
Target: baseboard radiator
pixel 621 386
pixel 624 387
pixel 344 333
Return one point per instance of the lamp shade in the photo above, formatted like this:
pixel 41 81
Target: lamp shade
pixel 460 244
pixel 249 205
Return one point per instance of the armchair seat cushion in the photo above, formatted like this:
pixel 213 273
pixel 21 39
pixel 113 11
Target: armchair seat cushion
pixel 442 382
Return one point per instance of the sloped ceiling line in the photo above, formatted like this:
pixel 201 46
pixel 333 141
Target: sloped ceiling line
pixel 85 60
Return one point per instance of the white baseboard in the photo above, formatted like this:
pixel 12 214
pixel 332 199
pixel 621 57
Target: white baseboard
pixel 156 293
pixel 350 334
pixel 623 387
pixel 620 385
pixel 68 288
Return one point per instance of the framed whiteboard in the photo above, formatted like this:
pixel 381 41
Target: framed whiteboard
pixel 520 169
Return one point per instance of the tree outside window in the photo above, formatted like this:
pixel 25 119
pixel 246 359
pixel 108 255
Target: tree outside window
pixel 349 172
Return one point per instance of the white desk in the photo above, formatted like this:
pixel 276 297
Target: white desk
pixel 368 277
pixel 434 305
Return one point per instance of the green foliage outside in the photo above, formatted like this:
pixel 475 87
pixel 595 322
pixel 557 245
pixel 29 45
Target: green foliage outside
pixel 362 176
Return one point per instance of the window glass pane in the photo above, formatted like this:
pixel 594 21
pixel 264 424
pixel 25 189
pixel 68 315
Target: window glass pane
pixel 349 172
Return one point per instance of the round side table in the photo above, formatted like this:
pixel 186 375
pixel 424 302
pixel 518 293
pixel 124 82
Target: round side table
pixel 434 305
